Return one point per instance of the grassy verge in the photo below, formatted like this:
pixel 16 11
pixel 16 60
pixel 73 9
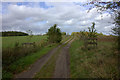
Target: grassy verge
pixel 25 62
pixel 13 54
pixel 97 63
pixel 47 70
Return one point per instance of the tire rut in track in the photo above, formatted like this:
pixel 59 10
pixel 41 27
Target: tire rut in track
pixel 29 73
pixel 34 68
pixel 62 69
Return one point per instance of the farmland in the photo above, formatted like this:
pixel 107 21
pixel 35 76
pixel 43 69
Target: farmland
pixel 96 63
pixel 9 42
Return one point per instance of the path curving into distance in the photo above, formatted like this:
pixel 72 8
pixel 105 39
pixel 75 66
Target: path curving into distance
pixel 34 68
pixel 62 69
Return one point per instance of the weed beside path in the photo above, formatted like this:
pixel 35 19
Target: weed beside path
pixel 97 63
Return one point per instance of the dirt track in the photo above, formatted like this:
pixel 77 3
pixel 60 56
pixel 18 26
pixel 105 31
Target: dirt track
pixel 62 69
pixel 34 68
pixel 37 65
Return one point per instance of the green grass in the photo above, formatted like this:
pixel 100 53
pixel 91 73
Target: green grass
pixel 10 41
pixel 96 63
pixel 25 62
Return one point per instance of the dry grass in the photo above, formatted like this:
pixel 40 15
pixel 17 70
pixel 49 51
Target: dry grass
pixel 101 62
pixel 106 38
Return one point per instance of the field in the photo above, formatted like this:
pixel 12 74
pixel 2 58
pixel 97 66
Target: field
pixel 18 58
pixel 9 42
pixel 101 62
pixel 79 62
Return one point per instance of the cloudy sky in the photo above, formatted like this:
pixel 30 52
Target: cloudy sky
pixel 40 16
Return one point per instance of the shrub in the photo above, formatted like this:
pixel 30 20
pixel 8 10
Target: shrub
pixel 54 34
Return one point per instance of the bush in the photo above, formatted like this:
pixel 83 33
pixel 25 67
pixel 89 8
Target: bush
pixel 54 34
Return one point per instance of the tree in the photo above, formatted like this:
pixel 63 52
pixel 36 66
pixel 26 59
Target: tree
pixel 111 7
pixel 116 29
pixel 92 31
pixel 104 6
pixel 92 37
pixel 54 34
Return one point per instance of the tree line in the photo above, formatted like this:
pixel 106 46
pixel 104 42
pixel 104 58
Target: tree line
pixel 13 33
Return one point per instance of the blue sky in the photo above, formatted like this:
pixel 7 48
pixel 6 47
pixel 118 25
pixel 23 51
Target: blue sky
pixel 40 16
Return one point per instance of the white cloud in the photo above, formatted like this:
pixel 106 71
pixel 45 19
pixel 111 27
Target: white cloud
pixel 69 17
pixel 69 21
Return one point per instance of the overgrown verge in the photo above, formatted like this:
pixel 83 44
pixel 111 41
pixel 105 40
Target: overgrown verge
pixel 18 59
pixel 12 54
pixel 101 62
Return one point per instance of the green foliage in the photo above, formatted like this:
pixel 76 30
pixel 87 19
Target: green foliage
pixel 116 29
pixel 91 42
pixel 14 33
pixel 83 34
pixel 105 6
pixel 99 34
pixel 63 33
pixel 89 37
pixel 92 31
pixel 54 34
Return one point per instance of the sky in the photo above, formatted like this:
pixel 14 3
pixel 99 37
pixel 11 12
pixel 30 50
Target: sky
pixel 40 16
